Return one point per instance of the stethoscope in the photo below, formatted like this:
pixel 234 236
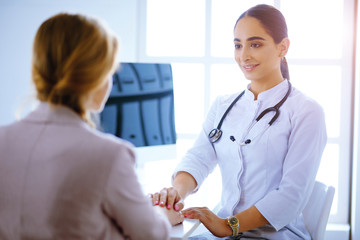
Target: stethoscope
pixel 216 133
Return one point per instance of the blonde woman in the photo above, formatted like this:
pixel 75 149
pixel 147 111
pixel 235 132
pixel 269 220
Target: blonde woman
pixel 59 177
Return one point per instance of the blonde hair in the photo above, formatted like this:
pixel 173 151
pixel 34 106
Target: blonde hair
pixel 72 55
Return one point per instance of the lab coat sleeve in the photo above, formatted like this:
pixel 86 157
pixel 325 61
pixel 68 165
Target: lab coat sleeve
pixel 307 141
pixel 126 203
pixel 200 160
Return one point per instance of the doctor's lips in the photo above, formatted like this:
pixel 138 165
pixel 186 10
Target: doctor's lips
pixel 249 67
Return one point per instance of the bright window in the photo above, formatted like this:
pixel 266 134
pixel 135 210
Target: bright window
pixel 188 81
pixel 171 29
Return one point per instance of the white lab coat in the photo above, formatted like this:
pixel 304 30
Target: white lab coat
pixel 276 171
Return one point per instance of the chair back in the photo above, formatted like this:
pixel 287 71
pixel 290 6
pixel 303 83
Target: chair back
pixel 317 210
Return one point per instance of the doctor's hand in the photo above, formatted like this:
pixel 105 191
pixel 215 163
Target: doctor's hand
pixel 216 225
pixel 169 198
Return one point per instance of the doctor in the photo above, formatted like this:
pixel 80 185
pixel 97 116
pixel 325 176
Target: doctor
pixel 267 141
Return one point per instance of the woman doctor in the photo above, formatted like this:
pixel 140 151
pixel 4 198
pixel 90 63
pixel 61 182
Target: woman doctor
pixel 267 141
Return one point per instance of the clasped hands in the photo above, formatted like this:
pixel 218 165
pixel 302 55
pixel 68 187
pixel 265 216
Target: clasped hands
pixel 172 204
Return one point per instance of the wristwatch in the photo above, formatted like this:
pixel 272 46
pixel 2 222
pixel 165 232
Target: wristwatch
pixel 233 222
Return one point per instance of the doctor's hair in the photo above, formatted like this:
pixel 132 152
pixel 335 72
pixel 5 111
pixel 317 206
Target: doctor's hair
pixel 72 55
pixel 274 23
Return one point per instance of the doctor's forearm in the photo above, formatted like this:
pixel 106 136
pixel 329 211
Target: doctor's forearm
pixel 184 183
pixel 250 219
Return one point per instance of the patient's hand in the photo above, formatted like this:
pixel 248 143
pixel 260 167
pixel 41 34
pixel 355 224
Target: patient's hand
pixel 174 217
pixel 168 197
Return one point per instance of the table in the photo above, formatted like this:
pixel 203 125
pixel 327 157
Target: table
pixel 184 230
pixel 163 159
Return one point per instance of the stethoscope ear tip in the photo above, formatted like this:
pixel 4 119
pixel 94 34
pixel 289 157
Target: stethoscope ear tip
pixel 246 142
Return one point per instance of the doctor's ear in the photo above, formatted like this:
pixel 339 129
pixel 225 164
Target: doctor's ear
pixel 284 47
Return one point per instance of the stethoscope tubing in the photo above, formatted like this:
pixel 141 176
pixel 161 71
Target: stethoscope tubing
pixel 216 133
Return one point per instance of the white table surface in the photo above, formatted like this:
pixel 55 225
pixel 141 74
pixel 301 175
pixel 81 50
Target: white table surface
pixel 184 230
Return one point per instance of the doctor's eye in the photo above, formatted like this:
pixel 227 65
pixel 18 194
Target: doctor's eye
pixel 237 46
pixel 255 45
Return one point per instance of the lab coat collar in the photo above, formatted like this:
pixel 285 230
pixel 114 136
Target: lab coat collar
pixel 274 93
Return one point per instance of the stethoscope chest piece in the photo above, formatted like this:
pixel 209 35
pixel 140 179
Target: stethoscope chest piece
pixel 215 135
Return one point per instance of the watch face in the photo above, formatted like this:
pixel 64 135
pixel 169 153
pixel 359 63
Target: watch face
pixel 233 221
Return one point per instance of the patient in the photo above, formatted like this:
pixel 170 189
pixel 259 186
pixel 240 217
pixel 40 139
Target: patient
pixel 59 177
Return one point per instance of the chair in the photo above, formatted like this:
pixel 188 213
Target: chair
pixel 317 210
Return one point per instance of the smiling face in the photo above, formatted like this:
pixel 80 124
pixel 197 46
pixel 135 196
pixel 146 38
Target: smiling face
pixel 256 53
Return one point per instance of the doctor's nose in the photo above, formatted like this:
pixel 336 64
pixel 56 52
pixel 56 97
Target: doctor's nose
pixel 243 55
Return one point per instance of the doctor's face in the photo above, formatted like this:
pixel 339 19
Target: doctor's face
pixel 256 53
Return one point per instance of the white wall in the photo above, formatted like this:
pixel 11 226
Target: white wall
pixel 19 20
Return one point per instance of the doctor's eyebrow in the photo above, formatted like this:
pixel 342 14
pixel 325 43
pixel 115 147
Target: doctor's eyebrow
pixel 250 39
